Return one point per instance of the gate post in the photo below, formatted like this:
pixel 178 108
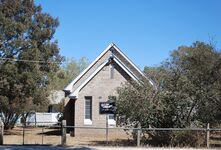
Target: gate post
pixel 23 135
pixel 207 136
pixel 138 137
pixel 1 132
pixel 63 136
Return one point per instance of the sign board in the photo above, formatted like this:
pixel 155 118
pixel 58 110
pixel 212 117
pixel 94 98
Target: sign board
pixel 107 107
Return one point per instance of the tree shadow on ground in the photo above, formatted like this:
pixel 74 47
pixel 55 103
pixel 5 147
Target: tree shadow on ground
pixel 55 132
pixel 13 132
pixel 117 142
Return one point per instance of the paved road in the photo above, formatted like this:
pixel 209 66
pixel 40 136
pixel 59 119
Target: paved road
pixel 15 147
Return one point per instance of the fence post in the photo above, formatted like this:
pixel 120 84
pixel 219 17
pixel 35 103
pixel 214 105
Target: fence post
pixel 207 136
pixel 23 135
pixel 138 137
pixel 42 136
pixel 63 136
pixel 106 129
pixel 1 132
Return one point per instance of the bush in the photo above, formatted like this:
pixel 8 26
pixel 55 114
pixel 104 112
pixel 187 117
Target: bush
pixel 158 138
pixel 188 139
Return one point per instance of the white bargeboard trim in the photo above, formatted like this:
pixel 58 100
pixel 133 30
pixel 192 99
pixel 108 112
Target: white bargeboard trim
pixel 74 94
pixel 69 87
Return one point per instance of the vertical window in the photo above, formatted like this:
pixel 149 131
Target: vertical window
pixel 88 108
pixel 111 71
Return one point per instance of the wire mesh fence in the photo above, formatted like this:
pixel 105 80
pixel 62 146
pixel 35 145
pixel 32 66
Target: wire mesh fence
pixel 31 133
pixel 99 136
pixel 172 137
pixel 58 134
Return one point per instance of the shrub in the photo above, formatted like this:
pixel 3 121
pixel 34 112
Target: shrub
pixel 188 139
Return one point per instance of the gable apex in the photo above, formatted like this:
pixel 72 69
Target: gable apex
pixel 69 87
pixel 114 49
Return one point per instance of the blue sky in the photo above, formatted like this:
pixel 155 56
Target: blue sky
pixel 145 30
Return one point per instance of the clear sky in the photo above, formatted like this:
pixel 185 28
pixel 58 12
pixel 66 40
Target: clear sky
pixel 145 30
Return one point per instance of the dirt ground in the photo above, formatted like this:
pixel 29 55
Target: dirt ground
pixel 53 137
pixel 31 136
pixel 46 136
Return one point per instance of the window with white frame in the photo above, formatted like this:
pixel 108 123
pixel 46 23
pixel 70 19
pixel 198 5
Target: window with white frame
pixel 88 110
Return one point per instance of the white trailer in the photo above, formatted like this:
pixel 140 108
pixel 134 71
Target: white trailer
pixel 43 119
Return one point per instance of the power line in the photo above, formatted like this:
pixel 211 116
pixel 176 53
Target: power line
pixel 30 61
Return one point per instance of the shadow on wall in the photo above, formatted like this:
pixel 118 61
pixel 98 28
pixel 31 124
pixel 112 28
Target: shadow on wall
pixel 69 115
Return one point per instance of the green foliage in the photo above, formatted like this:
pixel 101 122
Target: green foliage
pixel 139 105
pixel 25 34
pixel 70 70
pixel 194 81
pixel 188 94
pixel 135 104
pixel 188 139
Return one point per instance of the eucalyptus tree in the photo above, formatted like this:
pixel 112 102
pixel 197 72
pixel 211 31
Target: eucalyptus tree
pixel 188 93
pixel 28 54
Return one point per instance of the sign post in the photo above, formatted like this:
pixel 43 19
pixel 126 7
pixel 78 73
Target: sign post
pixel 107 108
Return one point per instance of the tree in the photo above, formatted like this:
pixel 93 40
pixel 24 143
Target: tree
pixel 67 72
pixel 26 45
pixel 188 93
pixel 140 105
pixel 195 80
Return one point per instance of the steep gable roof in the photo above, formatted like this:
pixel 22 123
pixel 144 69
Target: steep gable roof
pixel 127 68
